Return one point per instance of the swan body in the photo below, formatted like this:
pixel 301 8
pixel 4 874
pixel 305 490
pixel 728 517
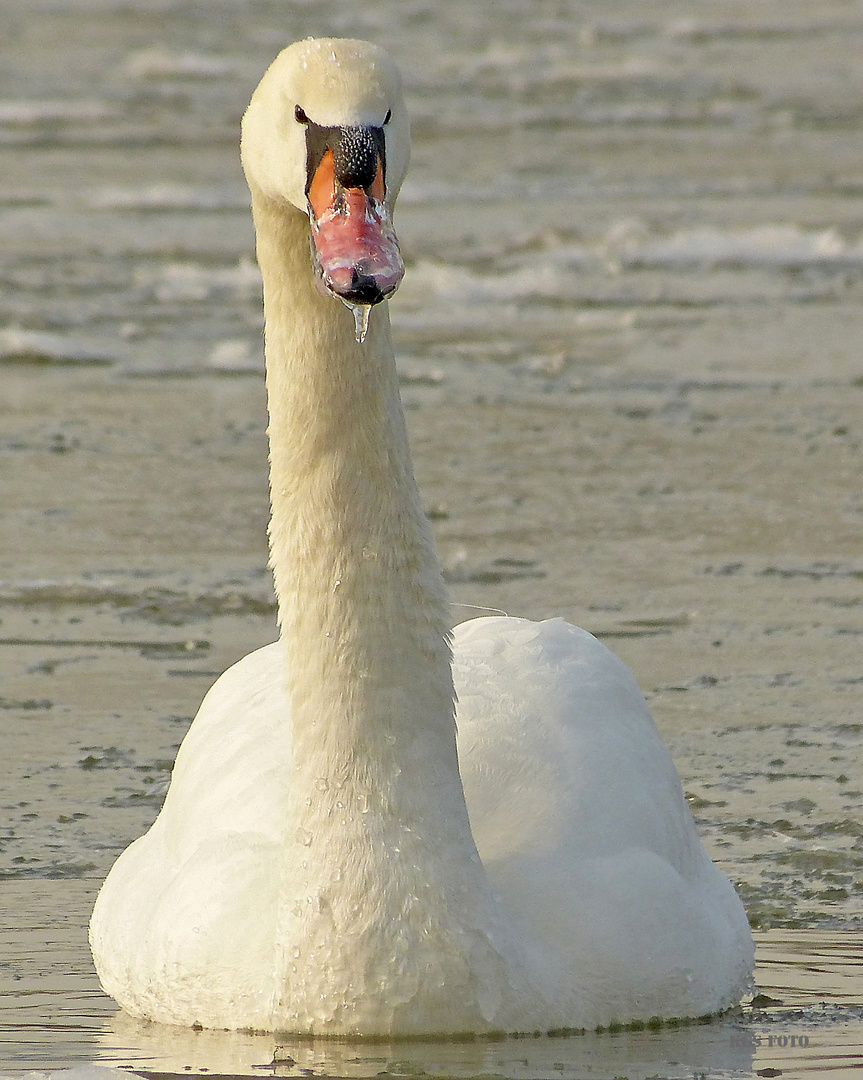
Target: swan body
pixel 340 852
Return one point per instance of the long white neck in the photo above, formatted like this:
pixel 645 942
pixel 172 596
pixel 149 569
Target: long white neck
pixel 382 890
pixel 362 604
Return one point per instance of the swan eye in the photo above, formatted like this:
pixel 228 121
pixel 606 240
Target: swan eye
pixel 388 117
pixel 301 117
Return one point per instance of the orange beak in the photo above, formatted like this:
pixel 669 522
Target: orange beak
pixel 355 252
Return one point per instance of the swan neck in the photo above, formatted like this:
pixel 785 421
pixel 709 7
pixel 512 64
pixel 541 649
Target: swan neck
pixel 362 605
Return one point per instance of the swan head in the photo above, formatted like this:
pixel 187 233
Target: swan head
pixel 327 132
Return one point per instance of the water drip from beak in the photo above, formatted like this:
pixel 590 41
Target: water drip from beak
pixel 361 313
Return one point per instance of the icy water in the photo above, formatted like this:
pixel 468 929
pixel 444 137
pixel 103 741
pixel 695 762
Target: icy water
pixel 631 343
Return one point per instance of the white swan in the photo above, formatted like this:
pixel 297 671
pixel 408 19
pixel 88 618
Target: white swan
pixel 320 865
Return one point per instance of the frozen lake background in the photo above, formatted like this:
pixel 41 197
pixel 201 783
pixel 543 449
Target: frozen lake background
pixel 631 341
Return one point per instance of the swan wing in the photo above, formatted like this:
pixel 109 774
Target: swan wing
pixel 186 920
pixel 581 823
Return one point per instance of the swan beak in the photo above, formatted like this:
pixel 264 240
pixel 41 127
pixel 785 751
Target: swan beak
pixel 355 252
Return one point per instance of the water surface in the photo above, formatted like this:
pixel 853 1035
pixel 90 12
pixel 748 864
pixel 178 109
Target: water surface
pixel 630 339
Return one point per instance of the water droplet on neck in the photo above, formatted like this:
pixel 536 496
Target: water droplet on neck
pixel 361 314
